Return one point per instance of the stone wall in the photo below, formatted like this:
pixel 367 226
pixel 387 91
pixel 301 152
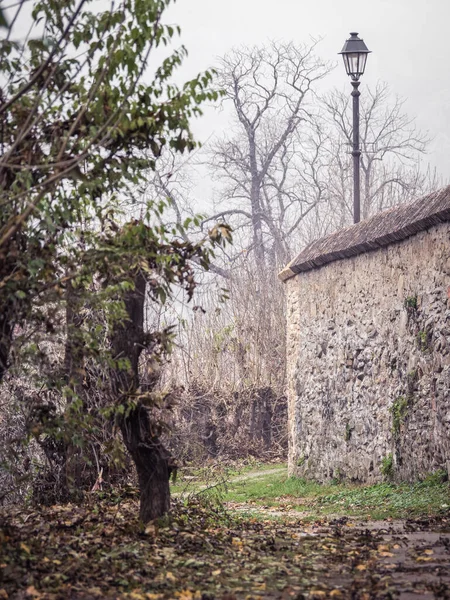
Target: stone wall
pixel 369 362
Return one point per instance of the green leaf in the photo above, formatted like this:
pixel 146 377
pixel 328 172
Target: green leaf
pixel 3 20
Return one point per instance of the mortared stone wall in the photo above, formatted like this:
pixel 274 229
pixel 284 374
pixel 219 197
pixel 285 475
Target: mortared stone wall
pixel 368 347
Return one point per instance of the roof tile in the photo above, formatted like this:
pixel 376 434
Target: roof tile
pixel 390 226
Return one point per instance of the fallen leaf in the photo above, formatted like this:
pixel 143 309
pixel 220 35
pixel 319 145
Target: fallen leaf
pixel 136 596
pixel 150 529
pixel 184 595
pixel 24 547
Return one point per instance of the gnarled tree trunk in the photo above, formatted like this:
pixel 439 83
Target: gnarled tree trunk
pixel 151 460
pixel 143 444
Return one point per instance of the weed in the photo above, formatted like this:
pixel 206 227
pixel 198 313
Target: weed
pixel 387 466
pixel 398 410
pixel 389 500
pixel 348 432
pixel 423 341
pixel 436 478
pixel 338 477
pixel 411 303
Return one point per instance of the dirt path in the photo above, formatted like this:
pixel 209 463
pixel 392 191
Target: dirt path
pixel 193 487
pixel 402 559
pixel 254 474
pixel 409 559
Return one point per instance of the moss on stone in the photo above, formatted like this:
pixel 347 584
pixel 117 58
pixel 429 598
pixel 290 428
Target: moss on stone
pixel 387 466
pixel 398 410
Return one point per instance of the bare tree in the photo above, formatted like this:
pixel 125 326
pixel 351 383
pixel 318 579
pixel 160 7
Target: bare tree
pixel 391 151
pixel 269 169
pixel 271 89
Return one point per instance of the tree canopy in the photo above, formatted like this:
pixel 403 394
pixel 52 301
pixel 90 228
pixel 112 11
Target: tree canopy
pixel 85 110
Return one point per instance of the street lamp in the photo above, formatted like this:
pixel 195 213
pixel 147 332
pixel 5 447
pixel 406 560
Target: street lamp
pixel 355 54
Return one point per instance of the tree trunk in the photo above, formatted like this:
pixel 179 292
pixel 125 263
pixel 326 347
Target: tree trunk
pixel 6 330
pixel 147 451
pixel 258 241
pixel 74 369
pixel 151 460
pixel 255 202
pixel 266 395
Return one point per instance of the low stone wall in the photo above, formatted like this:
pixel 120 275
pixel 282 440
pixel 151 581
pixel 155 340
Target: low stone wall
pixel 369 362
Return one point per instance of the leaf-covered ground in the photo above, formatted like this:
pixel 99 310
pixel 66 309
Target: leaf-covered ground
pixel 203 553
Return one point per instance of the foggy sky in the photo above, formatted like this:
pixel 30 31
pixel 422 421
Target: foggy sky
pixel 409 41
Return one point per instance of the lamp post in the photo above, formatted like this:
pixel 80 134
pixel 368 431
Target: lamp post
pixel 355 54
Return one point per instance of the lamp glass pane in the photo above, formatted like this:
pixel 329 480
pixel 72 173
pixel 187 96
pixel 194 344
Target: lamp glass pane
pixel 346 63
pixel 353 63
pixel 362 62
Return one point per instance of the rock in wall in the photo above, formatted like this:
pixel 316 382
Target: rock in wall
pixel 368 347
